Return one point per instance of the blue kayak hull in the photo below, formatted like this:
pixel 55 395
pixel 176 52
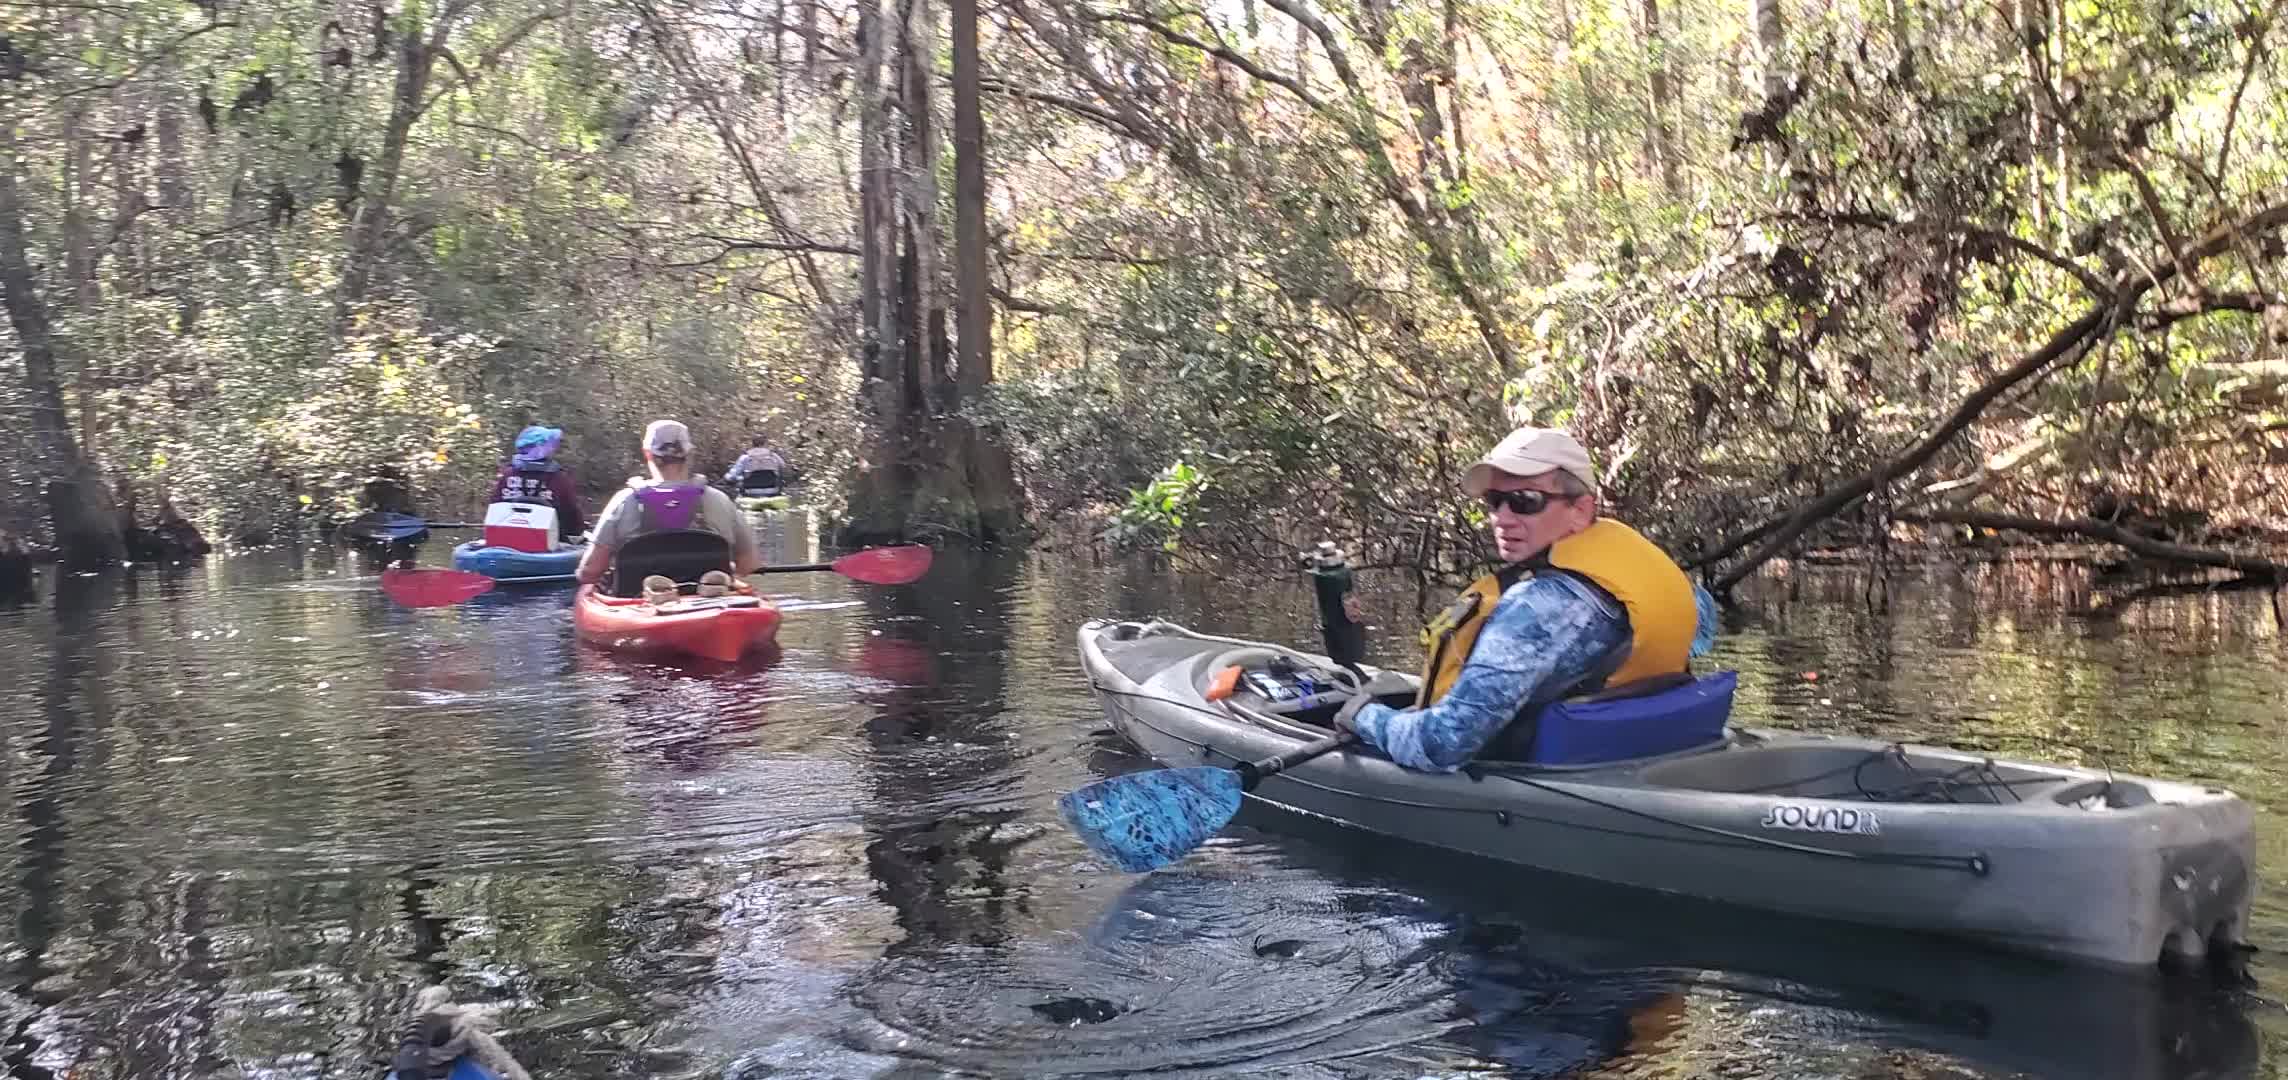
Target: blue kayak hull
pixel 509 564
pixel 463 1069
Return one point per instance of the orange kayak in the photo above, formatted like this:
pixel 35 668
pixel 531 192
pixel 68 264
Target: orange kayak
pixel 718 628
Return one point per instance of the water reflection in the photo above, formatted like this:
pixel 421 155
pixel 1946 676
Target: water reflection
pixel 255 806
pixel 938 736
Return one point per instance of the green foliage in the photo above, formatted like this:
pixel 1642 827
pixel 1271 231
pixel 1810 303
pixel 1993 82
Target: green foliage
pixel 1325 271
pixel 1155 512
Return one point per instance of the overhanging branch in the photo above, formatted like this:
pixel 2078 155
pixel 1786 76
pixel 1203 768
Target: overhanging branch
pixel 2249 565
pixel 2100 320
pixel 1018 303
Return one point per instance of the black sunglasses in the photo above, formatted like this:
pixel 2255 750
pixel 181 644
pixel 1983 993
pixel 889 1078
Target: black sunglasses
pixel 1522 503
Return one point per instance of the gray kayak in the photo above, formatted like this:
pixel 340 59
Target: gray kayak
pixel 2117 870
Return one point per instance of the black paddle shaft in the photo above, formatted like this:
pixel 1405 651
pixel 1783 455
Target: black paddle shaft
pixel 1252 773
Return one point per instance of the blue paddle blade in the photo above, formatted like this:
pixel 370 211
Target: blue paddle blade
pixel 1147 820
pixel 463 1069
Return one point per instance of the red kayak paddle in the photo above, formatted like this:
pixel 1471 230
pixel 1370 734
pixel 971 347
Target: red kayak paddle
pixel 874 566
pixel 433 588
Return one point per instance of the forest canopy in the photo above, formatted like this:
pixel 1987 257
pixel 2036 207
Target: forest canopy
pixel 1221 277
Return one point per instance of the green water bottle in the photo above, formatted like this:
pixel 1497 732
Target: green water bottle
pixel 1339 625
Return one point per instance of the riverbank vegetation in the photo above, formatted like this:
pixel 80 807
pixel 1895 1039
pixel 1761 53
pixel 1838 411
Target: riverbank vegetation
pixel 1220 278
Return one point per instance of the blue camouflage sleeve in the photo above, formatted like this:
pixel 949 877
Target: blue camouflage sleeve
pixel 1545 629
pixel 1710 619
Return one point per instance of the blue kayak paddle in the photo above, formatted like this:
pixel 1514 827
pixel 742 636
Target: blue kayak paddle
pixel 1146 820
pixel 463 1069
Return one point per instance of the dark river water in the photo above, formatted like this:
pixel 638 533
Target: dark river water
pixel 254 806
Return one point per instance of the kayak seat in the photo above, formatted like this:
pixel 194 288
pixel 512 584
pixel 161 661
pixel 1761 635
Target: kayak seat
pixel 680 554
pixel 1670 715
pixel 761 482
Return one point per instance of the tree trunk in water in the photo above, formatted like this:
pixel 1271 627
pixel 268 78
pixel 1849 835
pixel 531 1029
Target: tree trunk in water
pixel 882 491
pixel 990 474
pixel 86 523
pixel 930 369
pixel 877 253
pixel 972 280
pixel 929 468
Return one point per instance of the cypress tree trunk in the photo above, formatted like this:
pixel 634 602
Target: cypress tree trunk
pixel 986 469
pixel 86 522
pixel 881 493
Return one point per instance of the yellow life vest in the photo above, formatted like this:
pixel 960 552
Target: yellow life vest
pixel 1649 584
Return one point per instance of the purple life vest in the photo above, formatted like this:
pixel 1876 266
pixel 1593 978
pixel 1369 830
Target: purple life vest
pixel 669 506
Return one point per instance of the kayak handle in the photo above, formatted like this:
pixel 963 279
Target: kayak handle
pixel 1252 773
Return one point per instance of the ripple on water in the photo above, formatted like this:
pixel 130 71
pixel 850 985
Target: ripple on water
pixel 1196 973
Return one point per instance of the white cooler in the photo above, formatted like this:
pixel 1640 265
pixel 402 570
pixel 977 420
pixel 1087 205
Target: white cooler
pixel 522 526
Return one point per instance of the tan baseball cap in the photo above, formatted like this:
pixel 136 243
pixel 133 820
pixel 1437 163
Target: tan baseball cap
pixel 1531 451
pixel 667 440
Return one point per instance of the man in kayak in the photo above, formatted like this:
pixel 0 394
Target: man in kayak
pixel 671 498
pixel 759 472
pixel 532 475
pixel 1581 604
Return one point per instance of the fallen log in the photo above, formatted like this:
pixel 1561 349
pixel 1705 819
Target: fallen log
pixel 2111 605
pixel 2250 566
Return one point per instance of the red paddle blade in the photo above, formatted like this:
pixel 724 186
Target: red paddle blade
pixel 885 565
pixel 433 588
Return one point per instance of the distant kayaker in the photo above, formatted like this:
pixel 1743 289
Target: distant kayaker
pixel 533 475
pixel 1582 604
pixel 760 472
pixel 670 499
